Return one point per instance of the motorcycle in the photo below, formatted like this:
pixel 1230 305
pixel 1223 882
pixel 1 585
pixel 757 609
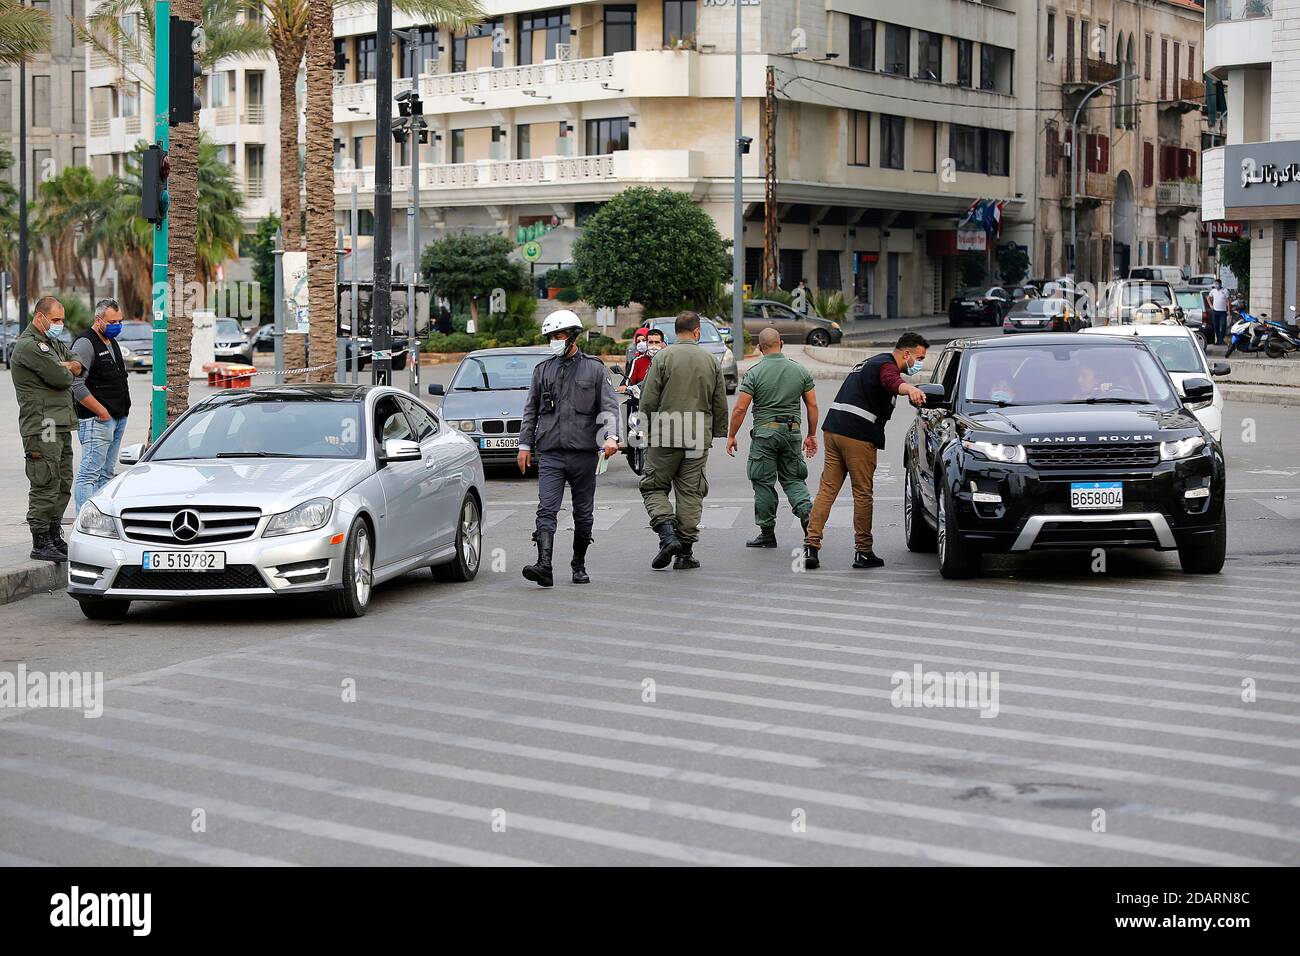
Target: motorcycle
pixel 634 444
pixel 1282 338
pixel 1248 334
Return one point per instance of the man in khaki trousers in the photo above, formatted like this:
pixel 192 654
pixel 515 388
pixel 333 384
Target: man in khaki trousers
pixel 853 434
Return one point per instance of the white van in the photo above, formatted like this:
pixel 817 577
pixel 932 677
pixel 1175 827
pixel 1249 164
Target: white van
pixel 1171 274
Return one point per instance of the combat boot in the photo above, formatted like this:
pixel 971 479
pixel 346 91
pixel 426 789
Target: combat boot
pixel 810 560
pixel 669 544
pixel 766 539
pixel 44 550
pixel 685 560
pixel 541 571
pixel 579 562
pixel 867 559
pixel 56 539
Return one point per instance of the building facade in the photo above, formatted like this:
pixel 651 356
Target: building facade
pixel 1131 71
pixel 892 118
pixel 1253 46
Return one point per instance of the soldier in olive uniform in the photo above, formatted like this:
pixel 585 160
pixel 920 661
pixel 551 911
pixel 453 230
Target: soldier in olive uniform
pixel 43 369
pixel 774 388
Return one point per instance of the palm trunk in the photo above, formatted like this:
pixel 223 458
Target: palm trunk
pixel 321 258
pixel 288 56
pixel 182 225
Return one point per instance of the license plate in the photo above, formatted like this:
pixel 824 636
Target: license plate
pixel 1096 495
pixel 1031 321
pixel 183 561
pixel 971 304
pixel 498 443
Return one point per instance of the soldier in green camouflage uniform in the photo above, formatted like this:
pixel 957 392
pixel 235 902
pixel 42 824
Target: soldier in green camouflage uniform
pixel 43 368
pixel 774 388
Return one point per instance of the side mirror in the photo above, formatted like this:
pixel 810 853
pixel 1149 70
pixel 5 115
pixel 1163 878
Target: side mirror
pixel 934 395
pixel 1198 389
pixel 1221 368
pixel 130 455
pixel 401 449
pixel 435 388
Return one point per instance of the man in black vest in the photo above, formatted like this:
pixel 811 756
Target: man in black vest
pixel 853 432
pixel 103 400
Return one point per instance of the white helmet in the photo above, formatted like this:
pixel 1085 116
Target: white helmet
pixel 560 321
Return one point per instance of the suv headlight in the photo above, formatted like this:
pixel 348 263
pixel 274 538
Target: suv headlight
pixel 994 451
pixel 308 516
pixel 93 521
pixel 1181 448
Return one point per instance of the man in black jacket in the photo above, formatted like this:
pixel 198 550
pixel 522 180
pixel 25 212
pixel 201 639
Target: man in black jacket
pixel 103 400
pixel 570 414
pixel 853 432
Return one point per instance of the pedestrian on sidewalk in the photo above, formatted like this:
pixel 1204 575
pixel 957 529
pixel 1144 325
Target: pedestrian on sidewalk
pixel 774 388
pixel 570 415
pixel 43 370
pixel 103 400
pixel 1219 311
pixel 684 400
pixel 854 433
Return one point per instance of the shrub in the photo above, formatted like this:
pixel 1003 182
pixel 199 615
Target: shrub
pixel 560 278
pixel 568 294
pixel 831 305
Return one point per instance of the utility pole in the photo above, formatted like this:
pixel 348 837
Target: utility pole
pixel 22 192
pixel 162 137
pixel 769 185
pixel 381 316
pixel 738 224
pixel 1074 167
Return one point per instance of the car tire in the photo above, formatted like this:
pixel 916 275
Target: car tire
pixel 920 536
pixel 469 545
pixel 819 338
pixel 957 559
pixel 104 609
pixel 358 573
pixel 1207 558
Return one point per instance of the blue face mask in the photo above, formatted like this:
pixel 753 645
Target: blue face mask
pixel 55 330
pixel 915 367
pixel 113 329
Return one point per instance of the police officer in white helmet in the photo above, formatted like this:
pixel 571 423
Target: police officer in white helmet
pixel 570 415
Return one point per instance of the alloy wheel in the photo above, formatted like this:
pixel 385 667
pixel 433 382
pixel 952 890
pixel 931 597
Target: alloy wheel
pixel 471 534
pixel 361 567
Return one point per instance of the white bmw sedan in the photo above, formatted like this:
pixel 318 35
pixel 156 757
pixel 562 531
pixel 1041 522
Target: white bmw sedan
pixel 286 490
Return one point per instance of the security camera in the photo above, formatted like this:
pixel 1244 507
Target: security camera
pixel 744 142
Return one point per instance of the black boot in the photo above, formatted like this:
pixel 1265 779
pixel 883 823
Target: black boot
pixel 810 560
pixel 669 544
pixel 541 571
pixel 56 540
pixel 579 562
pixel 866 559
pixel 43 550
pixel 766 539
pixel 685 560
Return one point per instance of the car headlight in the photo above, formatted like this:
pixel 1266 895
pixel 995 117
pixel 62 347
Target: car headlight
pixel 1181 448
pixel 835 325
pixel 93 521
pixel 308 516
pixel 466 426
pixel 995 451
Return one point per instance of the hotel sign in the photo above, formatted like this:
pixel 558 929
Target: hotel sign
pixel 1261 174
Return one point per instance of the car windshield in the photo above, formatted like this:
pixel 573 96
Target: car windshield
pixel 708 331
pixel 1190 300
pixel 487 372
pixel 1178 353
pixel 1141 293
pixel 256 427
pixel 1055 374
pixel 228 329
pixel 973 293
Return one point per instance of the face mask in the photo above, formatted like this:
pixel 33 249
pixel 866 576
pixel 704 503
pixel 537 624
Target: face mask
pixel 113 329
pixel 915 367
pixel 640 346
pixel 559 346
pixel 55 330
pixel 653 349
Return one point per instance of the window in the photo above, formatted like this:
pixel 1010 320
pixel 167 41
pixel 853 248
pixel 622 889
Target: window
pixel 6 103
pixel 1051 36
pixel 341 55
pixel 606 135
pixel 859 138
pixel 1069 48
pixel 539 33
pixel 892 131
pixel 458 146
pixel 965 57
pixel 986 151
pixel 523 141
pixel 923 145
pixel 254 171
pixel 1164 64
pixel 40 101
pixel 790 267
pixel 998 151
pixel 1191 61
pixel 1052 145
pixel 366 57
pixel 828 269
pixel 1176 71
pixel 78 96
pixel 996 68
pixel 42 168
pixel 1148 164
pixel 862 43
pixel 620 29
pixel 412 56
pixel 424 423
pixel 1085 40
pixel 679 21
pixel 390 423
pixel 898 58
pixel 930 53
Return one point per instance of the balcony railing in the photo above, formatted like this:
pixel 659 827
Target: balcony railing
pixel 1181 195
pixel 223 115
pixel 487 172
pixel 255 114
pixel 1086 70
pixel 1093 189
pixel 100 127
pixel 131 124
pixel 254 187
pixel 1228 11
pixel 529 77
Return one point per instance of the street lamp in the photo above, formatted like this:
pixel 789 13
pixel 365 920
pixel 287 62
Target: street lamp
pixel 738 225
pixel 1074 167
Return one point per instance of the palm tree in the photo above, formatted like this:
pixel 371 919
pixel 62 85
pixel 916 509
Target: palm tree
pixel 24 32
pixel 219 223
pixel 321 261
pixel 287 28
pixel 67 205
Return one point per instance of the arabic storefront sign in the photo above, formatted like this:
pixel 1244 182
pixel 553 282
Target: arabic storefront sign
pixel 1261 174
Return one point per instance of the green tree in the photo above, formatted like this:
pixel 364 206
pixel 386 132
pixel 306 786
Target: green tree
pixel 1236 256
pixel 656 247
pixel 24 32
pixel 263 248
pixel 462 266
pixel 1013 263
pixel 972 267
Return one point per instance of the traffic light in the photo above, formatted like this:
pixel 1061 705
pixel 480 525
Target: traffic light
pixel 184 69
pixel 155 167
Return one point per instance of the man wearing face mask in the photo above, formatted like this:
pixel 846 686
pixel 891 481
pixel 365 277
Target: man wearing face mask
pixel 853 433
pixel 43 370
pixel 103 400
pixel 570 415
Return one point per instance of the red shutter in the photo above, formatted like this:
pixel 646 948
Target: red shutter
pixel 1103 163
pixel 1090 154
pixel 1168 163
pixel 1148 164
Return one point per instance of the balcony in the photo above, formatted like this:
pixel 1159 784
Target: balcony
pixel 1178 198
pixel 1185 96
pixel 223 115
pixel 101 127
pixel 254 187
pixel 1089 72
pixel 1094 189
pixel 120 128
pixel 1232 11
pixel 255 114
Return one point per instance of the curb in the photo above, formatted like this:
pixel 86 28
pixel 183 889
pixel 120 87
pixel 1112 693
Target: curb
pixel 1260 394
pixel 22 580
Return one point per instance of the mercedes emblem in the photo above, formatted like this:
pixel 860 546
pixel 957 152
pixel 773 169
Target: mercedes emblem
pixel 186 525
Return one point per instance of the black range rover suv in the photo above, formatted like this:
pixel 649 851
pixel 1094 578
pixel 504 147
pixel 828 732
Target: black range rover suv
pixel 1065 442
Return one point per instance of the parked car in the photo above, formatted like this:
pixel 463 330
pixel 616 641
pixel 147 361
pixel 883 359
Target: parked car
pixel 1063 287
pixel 323 490
pixel 1022 292
pixel 1042 315
pixel 10 336
pixel 811 329
pixel 1171 274
pixel 1205 279
pixel 1183 357
pixel 136 342
pixel 1196 311
pixel 710 340
pixel 229 343
pixel 486 396
pixel 1122 302
pixel 263 338
pixel 979 306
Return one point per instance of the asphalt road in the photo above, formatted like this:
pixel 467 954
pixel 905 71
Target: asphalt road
pixel 740 713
